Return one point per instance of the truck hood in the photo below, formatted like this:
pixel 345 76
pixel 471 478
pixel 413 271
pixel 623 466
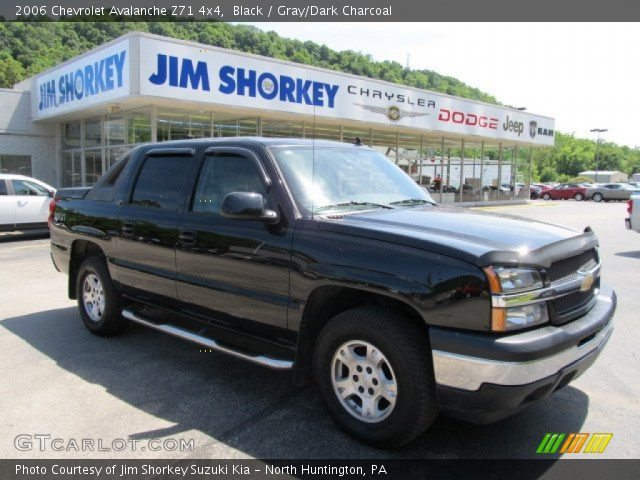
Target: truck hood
pixel 482 238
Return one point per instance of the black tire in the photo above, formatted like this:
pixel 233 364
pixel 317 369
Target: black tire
pixel 597 197
pixel 546 196
pixel 578 197
pixel 405 346
pixel 110 321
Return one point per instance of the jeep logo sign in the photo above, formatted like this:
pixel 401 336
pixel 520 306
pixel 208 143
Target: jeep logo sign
pixel 513 126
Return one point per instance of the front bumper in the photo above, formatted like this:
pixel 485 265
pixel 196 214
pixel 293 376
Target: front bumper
pixel 484 378
pixel 627 223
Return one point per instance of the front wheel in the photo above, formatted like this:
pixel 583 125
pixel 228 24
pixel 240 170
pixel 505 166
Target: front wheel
pixel 546 196
pixel 99 302
pixel 375 375
pixel 597 197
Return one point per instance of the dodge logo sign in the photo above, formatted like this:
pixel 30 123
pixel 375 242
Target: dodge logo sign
pixel 533 127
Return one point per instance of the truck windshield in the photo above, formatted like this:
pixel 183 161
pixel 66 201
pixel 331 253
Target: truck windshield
pixel 328 179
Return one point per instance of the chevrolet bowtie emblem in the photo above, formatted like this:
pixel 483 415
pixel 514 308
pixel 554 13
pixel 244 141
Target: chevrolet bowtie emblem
pixel 587 282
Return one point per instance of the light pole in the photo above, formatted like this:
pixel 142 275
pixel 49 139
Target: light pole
pixel 598 131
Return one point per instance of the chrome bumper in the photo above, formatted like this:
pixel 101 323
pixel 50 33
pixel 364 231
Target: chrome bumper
pixel 470 373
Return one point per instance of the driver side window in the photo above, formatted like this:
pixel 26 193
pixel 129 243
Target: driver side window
pixel 222 174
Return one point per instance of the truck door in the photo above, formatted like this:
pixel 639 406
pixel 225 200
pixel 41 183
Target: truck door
pixel 232 271
pixel 148 223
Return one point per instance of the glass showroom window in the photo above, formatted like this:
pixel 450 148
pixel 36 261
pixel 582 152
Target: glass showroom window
pixel 18 164
pixel 234 127
pixel 93 165
pixel 71 170
pixel 432 166
pixel 92 132
pixel 471 182
pixel 383 142
pixel 282 129
pixel 409 154
pixel 176 125
pixel 129 128
pixel 349 135
pixel 322 132
pixel 71 135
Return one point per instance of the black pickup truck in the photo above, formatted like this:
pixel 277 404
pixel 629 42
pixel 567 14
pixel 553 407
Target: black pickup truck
pixel 327 259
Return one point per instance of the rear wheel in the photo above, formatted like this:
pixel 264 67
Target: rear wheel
pixel 597 197
pixel 579 197
pixel 375 375
pixel 99 302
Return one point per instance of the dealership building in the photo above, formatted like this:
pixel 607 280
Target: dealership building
pixel 69 124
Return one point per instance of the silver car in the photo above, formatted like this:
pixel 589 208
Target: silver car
pixel 609 191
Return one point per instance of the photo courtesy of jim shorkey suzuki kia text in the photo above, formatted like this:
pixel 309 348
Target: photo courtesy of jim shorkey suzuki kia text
pixel 184 471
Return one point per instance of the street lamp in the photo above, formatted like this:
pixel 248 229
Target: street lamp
pixel 598 131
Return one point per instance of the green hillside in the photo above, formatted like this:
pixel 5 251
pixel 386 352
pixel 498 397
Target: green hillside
pixel 29 48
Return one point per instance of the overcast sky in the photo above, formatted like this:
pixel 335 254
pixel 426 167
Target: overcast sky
pixel 584 75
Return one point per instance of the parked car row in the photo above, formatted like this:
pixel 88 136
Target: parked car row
pixel 584 191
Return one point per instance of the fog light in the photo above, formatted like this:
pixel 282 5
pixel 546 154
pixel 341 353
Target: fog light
pixel 516 318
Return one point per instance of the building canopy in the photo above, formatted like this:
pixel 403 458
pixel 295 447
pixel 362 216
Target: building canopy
pixel 141 68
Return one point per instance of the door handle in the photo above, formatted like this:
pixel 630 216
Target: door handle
pixel 127 229
pixel 22 203
pixel 187 238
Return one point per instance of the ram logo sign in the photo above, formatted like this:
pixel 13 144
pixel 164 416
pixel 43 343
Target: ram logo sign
pixel 554 443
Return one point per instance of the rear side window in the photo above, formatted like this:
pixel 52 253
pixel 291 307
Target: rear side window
pixel 160 182
pixel 3 187
pixel 105 188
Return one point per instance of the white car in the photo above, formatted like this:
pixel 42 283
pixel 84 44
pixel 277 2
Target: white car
pixel 24 202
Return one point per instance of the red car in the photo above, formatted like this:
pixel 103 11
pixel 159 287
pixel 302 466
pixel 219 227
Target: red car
pixel 564 191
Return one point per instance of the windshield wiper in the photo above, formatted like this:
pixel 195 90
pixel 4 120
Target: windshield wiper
pixel 353 203
pixel 412 201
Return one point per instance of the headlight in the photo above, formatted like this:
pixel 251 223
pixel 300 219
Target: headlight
pixel 513 279
pixel 516 318
pixel 506 281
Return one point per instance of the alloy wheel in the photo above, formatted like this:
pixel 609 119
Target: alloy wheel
pixel 363 381
pixel 93 297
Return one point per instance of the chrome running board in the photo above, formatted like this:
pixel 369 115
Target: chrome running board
pixel 207 342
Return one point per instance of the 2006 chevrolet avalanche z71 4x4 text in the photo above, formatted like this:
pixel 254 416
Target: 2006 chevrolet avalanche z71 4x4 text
pixel 327 259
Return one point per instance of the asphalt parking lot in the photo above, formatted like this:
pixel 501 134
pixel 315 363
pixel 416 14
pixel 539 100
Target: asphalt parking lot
pixel 57 379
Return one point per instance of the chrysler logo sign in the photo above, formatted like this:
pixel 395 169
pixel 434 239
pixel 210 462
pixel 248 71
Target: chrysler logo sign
pixel 393 113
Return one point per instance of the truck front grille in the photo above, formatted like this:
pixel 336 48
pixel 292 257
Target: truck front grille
pixel 565 269
pixel 576 304
pixel 573 301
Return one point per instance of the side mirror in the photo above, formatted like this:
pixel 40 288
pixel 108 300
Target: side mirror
pixel 247 206
pixel 52 193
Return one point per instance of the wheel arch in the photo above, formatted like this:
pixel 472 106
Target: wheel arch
pixel 80 250
pixel 326 302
